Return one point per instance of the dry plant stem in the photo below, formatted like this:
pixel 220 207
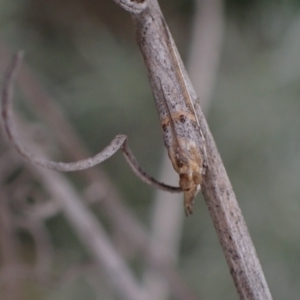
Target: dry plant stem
pixel 230 225
pixel 92 235
pixel 217 190
pixel 182 136
pixel 206 45
pixel 120 141
pixel 111 201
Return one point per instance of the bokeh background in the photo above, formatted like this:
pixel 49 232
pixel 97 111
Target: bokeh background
pixel 85 57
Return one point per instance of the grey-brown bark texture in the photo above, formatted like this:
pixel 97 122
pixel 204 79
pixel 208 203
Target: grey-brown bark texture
pixel 217 190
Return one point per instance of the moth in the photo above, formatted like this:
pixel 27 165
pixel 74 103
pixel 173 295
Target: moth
pixel 181 135
pixel 181 131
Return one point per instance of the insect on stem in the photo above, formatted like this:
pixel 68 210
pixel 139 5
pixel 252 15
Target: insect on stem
pixel 181 136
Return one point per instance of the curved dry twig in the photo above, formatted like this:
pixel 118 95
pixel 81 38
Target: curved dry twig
pixel 120 141
pixel 111 202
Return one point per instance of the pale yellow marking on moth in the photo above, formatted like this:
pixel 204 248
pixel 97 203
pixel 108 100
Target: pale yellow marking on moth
pixel 185 156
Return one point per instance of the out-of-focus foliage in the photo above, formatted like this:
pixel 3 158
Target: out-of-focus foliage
pixel 85 55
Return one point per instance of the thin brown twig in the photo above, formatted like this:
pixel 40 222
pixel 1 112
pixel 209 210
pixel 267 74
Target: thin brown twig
pixel 91 234
pixel 111 203
pixel 89 231
pixel 83 222
pixel 119 142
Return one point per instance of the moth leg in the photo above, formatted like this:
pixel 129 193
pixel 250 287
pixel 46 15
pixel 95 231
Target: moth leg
pixel 118 142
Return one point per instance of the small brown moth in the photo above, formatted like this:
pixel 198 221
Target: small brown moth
pixel 181 129
pixel 182 135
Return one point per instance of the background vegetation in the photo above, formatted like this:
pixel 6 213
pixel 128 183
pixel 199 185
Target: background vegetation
pixel 84 54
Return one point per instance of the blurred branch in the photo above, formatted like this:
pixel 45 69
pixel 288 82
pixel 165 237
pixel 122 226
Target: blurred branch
pixel 11 222
pixel 91 234
pixel 206 45
pixel 167 220
pixel 156 258
pixel 126 282
pixel 111 202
